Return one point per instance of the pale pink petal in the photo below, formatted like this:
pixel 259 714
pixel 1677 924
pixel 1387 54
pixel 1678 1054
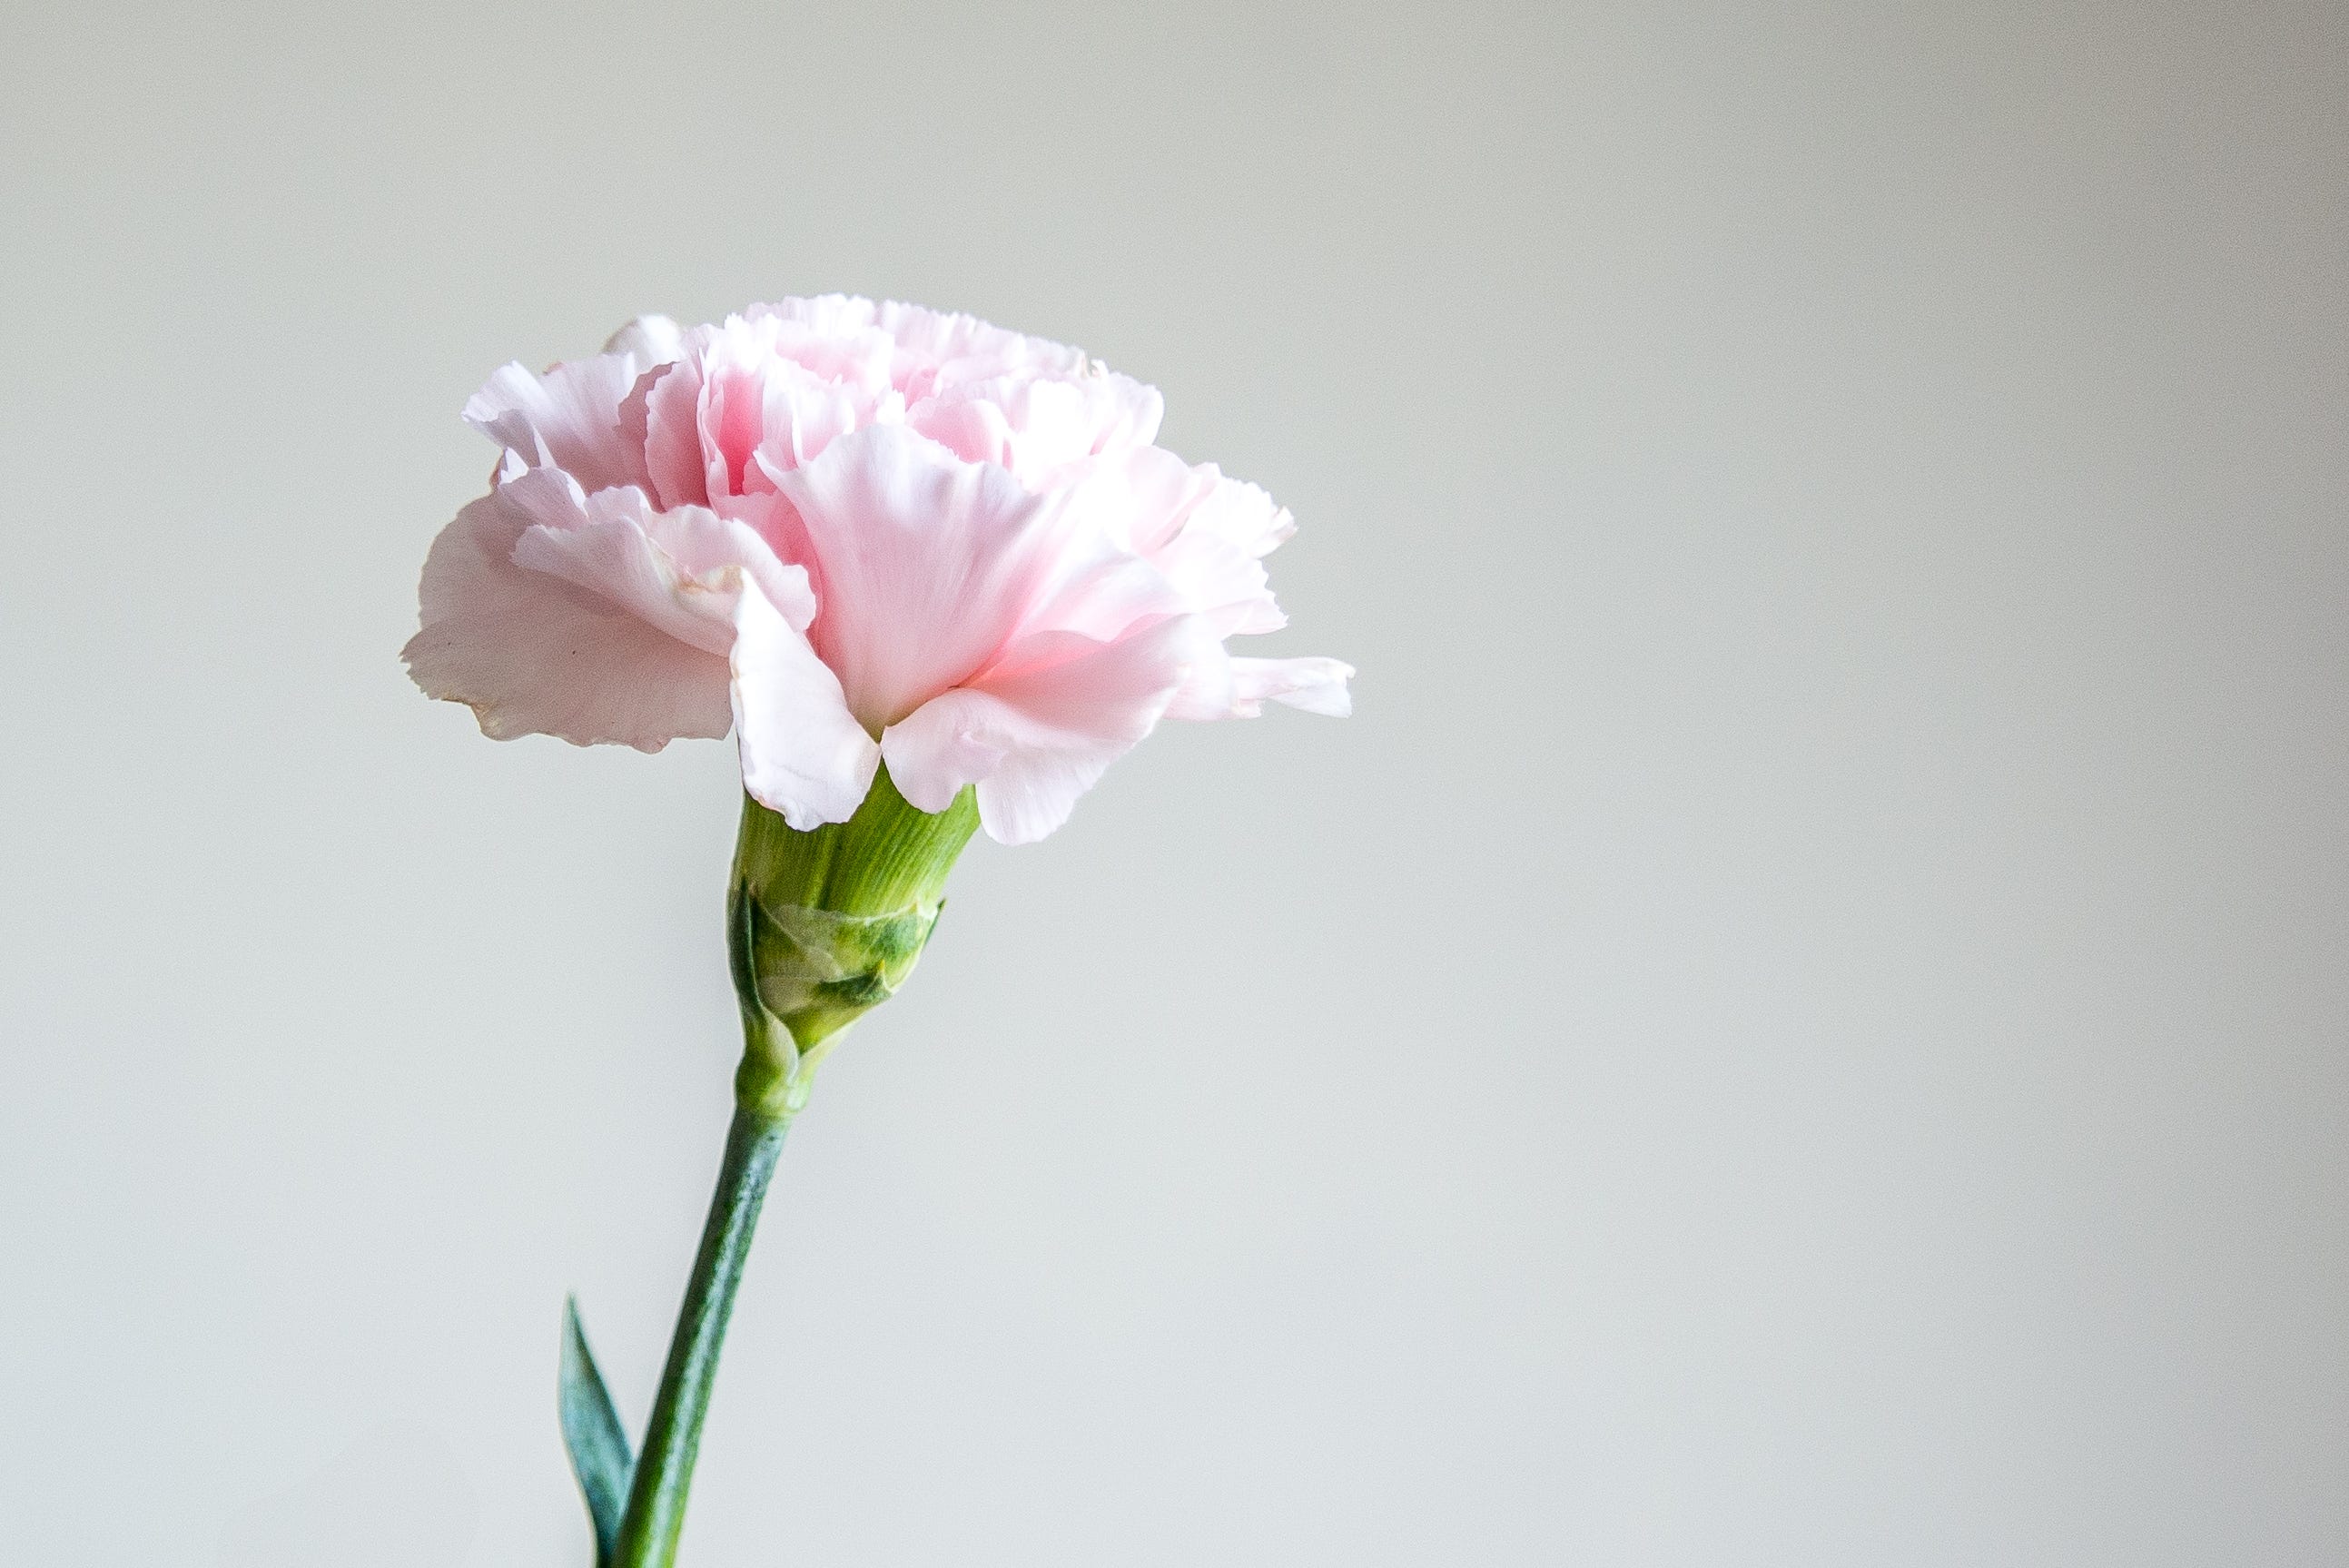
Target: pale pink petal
pixel 1038 733
pixel 733 423
pixel 567 419
pixel 1103 593
pixel 1120 411
pixel 1204 533
pixel 1240 514
pixel 949 742
pixel 732 364
pixel 611 558
pixel 704 545
pixel 1316 685
pixel 1210 689
pixel 636 421
pixel 1226 585
pixel 673 461
pixel 751 396
pixel 804 415
pixel 935 349
pixel 652 339
pixel 832 314
pixel 940 336
pixel 804 754
pixel 859 360
pixel 1144 495
pixel 533 654
pixel 1039 428
pixel 926 565
pixel 974 429
pixel 679 570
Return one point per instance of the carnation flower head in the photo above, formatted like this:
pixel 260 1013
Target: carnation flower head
pixel 854 533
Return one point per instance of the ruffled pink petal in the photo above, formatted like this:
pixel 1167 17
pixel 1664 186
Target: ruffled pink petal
pixel 1041 730
pixel 927 567
pixel 935 349
pixel 1205 532
pixel 1040 428
pixel 858 360
pixel 1228 587
pixel 1102 596
pixel 679 570
pixel 711 411
pixel 805 415
pixel 973 429
pixel 803 753
pixel 705 546
pixel 1239 514
pixel 734 400
pixel 1121 412
pixel 756 394
pixel 533 653
pixel 567 419
pixel 674 464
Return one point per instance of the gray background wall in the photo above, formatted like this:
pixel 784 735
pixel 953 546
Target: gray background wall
pixel 1802 1023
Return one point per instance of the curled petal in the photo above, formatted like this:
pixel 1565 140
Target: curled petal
pixel 803 753
pixel 1226 585
pixel 535 652
pixel 707 549
pixel 707 414
pixel 1205 533
pixel 751 396
pixel 679 570
pixel 663 414
pixel 936 349
pixel 704 419
pixel 1040 428
pixel 974 429
pixel 858 359
pixel 1041 730
pixel 568 418
pixel 929 566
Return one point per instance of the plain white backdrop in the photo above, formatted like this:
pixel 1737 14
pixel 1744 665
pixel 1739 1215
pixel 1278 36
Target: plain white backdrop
pixel 1801 1023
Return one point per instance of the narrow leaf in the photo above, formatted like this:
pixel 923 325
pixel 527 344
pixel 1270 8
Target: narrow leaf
pixel 592 1433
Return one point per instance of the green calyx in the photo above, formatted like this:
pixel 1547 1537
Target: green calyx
pixel 823 926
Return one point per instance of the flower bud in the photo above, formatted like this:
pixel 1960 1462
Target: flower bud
pixel 823 926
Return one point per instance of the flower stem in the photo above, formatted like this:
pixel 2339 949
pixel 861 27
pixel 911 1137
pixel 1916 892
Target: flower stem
pixel 656 1513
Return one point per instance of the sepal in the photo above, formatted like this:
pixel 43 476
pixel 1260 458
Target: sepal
pixel 817 970
pixel 825 925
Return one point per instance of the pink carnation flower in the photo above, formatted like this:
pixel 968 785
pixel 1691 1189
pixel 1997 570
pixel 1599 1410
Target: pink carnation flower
pixel 853 532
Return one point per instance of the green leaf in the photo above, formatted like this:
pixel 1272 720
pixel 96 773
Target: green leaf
pixel 592 1431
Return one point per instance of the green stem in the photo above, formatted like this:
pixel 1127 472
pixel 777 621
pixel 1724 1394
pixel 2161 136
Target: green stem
pixel 656 1513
